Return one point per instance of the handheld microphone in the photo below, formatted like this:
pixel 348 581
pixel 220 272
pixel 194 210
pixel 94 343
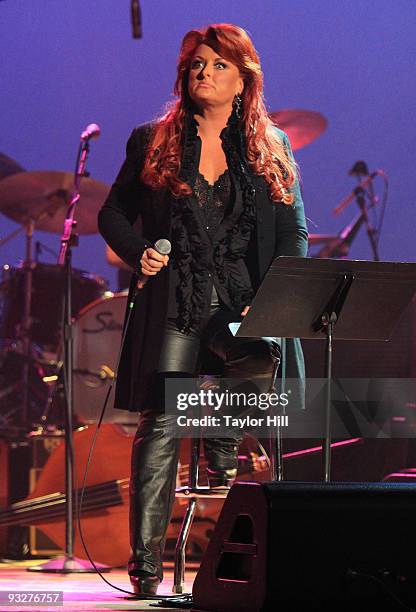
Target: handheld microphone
pixel 136 19
pixel 91 132
pixel 163 247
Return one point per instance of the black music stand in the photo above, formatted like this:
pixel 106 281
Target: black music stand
pixel 326 298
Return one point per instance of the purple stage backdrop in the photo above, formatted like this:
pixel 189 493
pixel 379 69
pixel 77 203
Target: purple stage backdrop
pixel 67 64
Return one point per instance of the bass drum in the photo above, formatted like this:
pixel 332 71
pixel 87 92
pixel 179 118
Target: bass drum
pixel 48 287
pixel 97 337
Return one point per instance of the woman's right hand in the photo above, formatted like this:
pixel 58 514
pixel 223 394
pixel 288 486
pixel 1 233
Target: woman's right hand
pixel 151 263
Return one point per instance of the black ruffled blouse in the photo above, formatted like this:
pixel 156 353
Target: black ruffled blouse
pixel 211 230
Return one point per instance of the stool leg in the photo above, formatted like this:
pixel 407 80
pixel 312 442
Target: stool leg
pixel 275 437
pixel 194 467
pixel 180 561
pixel 179 570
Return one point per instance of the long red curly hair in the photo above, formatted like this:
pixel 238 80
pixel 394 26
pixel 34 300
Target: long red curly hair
pixel 266 154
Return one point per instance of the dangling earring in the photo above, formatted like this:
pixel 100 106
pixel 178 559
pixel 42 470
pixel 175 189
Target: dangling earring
pixel 238 106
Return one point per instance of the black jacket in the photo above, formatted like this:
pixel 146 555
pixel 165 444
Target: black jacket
pixel 280 230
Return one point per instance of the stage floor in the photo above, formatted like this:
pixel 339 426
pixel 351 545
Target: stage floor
pixel 80 591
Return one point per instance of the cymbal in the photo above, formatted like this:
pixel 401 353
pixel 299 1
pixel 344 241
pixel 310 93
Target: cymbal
pixel 44 196
pixel 320 239
pixel 302 126
pixel 8 166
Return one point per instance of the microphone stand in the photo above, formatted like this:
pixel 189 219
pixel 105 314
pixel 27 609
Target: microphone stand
pixel 339 246
pixel 371 231
pixel 364 187
pixel 67 563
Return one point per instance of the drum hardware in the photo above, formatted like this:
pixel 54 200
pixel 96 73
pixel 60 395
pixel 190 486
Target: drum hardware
pixel 36 200
pixel 21 204
pixel 48 283
pixel 8 166
pixel 27 321
pixel 107 372
pixel 104 373
pixel 55 400
pixel 23 332
pixel 96 332
pixel 12 387
pixel 44 196
pixel 366 199
pixel 44 395
pixel 340 245
pixel 362 185
pixel 301 126
pixel 7 391
pixel 40 247
pixel 314 239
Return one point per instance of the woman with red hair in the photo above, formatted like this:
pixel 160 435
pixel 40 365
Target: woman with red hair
pixel 218 179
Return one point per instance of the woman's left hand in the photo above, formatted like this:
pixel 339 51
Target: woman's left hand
pixel 245 311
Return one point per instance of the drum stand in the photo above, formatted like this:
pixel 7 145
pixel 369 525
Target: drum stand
pixel 23 331
pixel 67 563
pixel 24 326
pixel 27 321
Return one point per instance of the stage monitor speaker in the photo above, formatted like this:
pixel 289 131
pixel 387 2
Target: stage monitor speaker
pixel 290 546
pixel 21 463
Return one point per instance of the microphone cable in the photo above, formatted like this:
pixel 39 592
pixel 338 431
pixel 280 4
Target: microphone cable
pixel 181 600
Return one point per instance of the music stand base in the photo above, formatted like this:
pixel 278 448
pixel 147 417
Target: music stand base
pixel 65 565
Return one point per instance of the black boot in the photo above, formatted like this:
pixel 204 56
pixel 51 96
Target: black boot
pixel 152 493
pixel 221 455
pixel 144 583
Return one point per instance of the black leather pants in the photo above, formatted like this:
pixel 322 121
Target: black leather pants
pixel 156 451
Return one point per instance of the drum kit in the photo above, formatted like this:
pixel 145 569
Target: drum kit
pixel 31 296
pixel 31 310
